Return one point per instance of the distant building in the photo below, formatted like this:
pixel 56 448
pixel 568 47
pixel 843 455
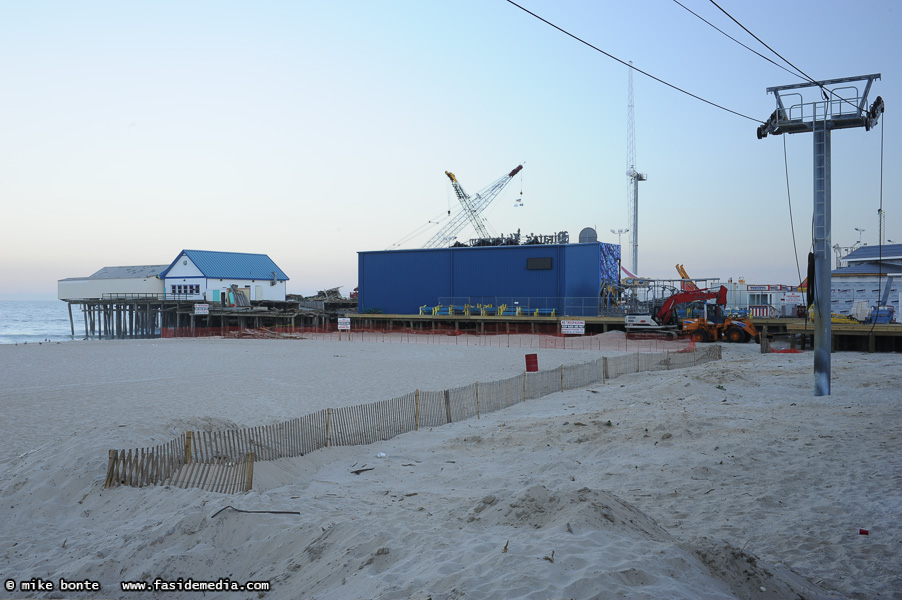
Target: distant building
pixel 863 282
pixel 201 274
pixel 112 281
pixel 764 300
pixel 564 277
pixel 193 275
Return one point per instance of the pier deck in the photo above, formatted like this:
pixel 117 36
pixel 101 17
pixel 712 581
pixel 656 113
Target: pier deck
pixel 153 317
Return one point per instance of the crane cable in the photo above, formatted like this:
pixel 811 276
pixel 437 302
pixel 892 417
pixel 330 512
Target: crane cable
pixel 437 220
pixel 624 63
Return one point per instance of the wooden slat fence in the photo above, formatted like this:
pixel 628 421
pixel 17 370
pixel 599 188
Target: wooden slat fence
pixel 223 461
pixel 222 474
pixel 582 375
pixel 462 401
pixel 542 383
pixel 432 410
pixel 496 395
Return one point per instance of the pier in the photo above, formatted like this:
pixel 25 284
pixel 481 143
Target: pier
pixel 144 316
pixel 884 337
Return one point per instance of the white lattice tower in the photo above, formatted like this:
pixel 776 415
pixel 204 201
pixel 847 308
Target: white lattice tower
pixel 633 177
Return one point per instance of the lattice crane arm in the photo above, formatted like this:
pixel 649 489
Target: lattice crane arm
pixel 468 206
pixel 472 208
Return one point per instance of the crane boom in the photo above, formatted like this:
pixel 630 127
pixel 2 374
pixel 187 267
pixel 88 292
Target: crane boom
pixel 467 203
pixel 472 208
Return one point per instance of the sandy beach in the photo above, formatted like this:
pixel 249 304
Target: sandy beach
pixel 723 480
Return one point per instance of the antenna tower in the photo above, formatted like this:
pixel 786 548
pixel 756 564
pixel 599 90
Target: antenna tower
pixel 633 176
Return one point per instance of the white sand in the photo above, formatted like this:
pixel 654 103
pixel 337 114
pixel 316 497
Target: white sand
pixel 727 480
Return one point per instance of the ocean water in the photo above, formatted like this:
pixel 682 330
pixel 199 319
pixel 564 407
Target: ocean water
pixel 33 321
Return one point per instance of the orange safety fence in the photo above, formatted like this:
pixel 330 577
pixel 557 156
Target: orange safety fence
pixel 615 341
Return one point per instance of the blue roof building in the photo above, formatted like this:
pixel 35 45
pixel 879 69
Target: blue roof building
pixel 872 260
pixel 202 274
pixel 871 274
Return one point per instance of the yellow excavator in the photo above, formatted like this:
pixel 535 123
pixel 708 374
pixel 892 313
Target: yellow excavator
pixel 715 326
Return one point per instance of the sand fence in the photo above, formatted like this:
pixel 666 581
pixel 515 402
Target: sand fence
pixel 223 461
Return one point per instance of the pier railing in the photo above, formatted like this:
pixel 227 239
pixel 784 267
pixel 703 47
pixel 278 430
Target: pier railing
pixel 223 461
pixel 572 306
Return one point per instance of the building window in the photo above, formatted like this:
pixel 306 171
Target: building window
pixel 538 264
pixel 758 299
pixel 185 290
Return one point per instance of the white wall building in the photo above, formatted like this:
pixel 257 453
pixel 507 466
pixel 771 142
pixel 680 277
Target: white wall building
pixel 205 275
pixel 871 273
pixel 193 275
pixel 113 282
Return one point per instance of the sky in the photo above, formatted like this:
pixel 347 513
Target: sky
pixel 310 131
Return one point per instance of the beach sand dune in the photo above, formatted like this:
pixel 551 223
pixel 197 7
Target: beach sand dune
pixel 725 480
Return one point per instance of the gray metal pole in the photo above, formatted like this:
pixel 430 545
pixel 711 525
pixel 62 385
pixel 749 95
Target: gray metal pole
pixel 822 300
pixel 636 225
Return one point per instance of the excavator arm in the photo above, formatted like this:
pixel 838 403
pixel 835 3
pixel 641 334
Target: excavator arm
pixel 665 313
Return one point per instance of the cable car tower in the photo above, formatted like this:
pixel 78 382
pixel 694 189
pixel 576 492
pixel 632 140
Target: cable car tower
pixel 838 108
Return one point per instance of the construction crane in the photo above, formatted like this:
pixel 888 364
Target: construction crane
pixel 471 209
pixel 633 176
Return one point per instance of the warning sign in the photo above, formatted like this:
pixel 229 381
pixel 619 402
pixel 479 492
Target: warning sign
pixel 344 324
pixel 573 327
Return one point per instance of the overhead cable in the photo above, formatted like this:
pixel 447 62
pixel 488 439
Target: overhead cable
pixel 880 238
pixel 770 60
pixel 792 226
pixel 624 63
pixel 804 75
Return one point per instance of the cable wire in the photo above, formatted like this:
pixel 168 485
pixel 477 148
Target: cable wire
pixel 804 75
pixel 880 241
pixel 624 63
pixel 770 60
pixel 789 200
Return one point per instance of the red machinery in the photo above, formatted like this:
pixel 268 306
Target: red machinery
pixel 702 329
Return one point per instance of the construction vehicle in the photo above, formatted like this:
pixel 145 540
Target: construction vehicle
pixel 663 317
pixel 705 328
pixel 730 328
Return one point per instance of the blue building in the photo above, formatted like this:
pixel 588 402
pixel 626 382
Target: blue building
pixel 563 277
pixel 866 277
pixel 201 274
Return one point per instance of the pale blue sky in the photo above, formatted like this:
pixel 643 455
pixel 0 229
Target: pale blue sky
pixel 312 130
